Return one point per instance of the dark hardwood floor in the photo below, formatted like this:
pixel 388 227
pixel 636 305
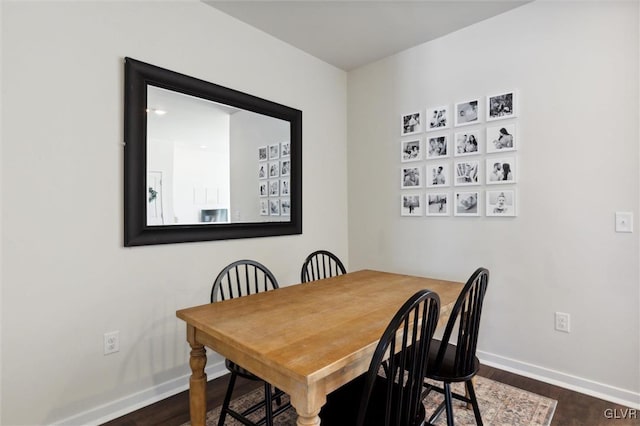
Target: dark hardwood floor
pixel 573 409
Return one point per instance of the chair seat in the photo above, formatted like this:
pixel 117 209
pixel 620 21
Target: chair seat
pixel 447 372
pixel 342 405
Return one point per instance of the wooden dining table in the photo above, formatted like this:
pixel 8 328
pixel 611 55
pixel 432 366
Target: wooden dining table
pixel 306 339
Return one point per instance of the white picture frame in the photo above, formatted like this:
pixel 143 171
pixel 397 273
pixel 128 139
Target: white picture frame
pixel 263 188
pixel 502 138
pixel 411 123
pixel 285 207
pixel 274 188
pixel 467 143
pixel 467 112
pixel 411 177
pixel 263 153
pixel 501 203
pixel 501 170
pixel 285 149
pixel 274 169
pixel 466 203
pixel 285 190
pixel 263 170
pixel 437 146
pixel 438 118
pixel 466 173
pixel 411 204
pixel 502 105
pixel 274 207
pixel 285 167
pixel 437 175
pixel 274 151
pixel 437 203
pixel 410 150
pixel 264 207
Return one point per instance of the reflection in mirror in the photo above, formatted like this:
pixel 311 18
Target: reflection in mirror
pixel 204 162
pixel 201 161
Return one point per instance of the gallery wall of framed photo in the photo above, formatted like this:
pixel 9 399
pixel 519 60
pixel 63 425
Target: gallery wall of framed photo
pixel 460 159
pixel 274 169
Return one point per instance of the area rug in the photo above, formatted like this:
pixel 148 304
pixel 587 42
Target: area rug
pixel 500 405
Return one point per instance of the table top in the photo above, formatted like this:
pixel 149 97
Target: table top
pixel 306 333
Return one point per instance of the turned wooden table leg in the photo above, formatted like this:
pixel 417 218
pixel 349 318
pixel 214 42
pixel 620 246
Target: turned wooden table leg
pixel 308 420
pixel 197 381
pixel 308 407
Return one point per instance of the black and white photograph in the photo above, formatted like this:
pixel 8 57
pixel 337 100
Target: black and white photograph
pixel 467 112
pixel 411 177
pixel 285 149
pixel 274 151
pixel 285 167
pixel 411 124
pixel 438 204
pixel 410 150
pixel 285 207
pixel 467 143
pixel 262 153
pixel 411 205
pixel 501 203
pixel 501 138
pixel 274 188
pixel 467 173
pixel 466 203
pixel 274 169
pixel 501 105
pixel 262 170
pixel 501 170
pixel 438 118
pixel 274 207
pixel 263 188
pixel 264 207
pixel 437 146
pixel 284 187
pixel 437 175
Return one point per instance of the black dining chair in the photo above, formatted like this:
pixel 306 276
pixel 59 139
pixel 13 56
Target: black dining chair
pixel 448 363
pixel 394 399
pixel 321 264
pixel 242 278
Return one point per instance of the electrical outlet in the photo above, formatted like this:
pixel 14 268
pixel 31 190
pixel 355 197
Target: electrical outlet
pixel 563 322
pixel 111 342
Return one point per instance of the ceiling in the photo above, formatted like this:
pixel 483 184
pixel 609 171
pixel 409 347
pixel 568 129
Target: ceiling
pixel 350 34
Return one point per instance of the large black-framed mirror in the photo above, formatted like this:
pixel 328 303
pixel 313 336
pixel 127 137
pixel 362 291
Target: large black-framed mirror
pixel 205 162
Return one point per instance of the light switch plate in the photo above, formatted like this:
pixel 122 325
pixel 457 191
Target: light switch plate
pixel 624 222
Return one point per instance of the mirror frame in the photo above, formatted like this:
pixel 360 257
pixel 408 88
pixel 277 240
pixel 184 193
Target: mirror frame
pixel 138 75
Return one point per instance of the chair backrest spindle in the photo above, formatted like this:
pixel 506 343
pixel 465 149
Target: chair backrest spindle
pixel 410 331
pixel 242 278
pixel 321 264
pixel 466 312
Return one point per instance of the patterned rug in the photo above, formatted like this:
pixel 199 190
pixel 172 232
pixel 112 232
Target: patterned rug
pixel 500 405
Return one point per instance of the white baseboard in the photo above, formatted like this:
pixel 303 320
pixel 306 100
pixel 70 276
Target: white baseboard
pixel 120 407
pixel 589 387
pixel 130 403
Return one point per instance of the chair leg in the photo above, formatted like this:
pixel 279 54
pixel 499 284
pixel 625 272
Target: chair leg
pixel 448 399
pixel 268 409
pixel 474 401
pixel 227 399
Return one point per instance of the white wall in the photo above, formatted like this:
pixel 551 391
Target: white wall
pixel 249 131
pixel 66 276
pixel 576 67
